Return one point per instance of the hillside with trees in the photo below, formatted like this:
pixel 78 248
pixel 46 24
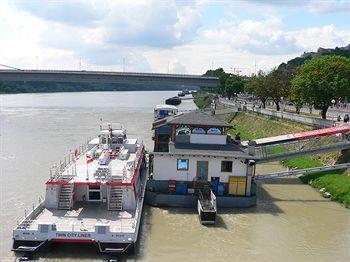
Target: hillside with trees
pixel 314 79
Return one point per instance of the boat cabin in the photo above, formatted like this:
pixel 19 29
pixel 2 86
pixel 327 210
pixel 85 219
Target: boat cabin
pixel 200 152
pixel 105 172
pixel 161 134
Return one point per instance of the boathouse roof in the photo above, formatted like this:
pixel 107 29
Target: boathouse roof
pixel 226 150
pixel 196 118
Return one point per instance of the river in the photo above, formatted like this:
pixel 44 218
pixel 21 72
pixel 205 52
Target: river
pixel 291 221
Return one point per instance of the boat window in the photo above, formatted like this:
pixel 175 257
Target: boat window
pixel 226 166
pixel 94 195
pixel 163 138
pixel 214 130
pixel 182 164
pixel 103 140
pixel 198 130
pixel 163 113
pixel 183 131
pixel 94 187
pixel 114 140
pixel 163 129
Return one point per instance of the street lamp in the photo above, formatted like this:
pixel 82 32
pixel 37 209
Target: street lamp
pixel 282 103
pixel 333 103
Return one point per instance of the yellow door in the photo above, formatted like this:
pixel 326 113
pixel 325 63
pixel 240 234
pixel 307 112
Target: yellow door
pixel 237 186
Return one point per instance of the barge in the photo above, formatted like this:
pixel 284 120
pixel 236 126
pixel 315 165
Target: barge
pixel 95 196
pixel 196 163
pixel 173 101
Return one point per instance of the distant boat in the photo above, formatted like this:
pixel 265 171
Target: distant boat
pixel 181 93
pixel 173 101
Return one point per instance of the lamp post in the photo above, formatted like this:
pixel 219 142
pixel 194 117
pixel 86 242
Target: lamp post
pixel 333 103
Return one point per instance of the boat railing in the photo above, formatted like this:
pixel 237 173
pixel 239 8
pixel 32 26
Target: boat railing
pixel 28 217
pixel 67 165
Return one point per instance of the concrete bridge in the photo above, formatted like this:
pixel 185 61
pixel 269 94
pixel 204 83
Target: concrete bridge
pixel 106 77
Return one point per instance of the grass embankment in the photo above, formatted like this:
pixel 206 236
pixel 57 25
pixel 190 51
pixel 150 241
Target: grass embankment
pixel 336 182
pixel 203 99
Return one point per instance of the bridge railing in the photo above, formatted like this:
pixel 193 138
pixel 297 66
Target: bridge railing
pixel 301 146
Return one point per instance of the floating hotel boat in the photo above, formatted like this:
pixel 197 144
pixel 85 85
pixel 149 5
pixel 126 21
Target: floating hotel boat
pixel 94 196
pixel 193 153
pixel 173 101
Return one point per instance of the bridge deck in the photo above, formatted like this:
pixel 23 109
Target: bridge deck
pixel 106 77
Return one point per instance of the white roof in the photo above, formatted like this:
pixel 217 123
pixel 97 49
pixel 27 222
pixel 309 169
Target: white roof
pixel 94 141
pixel 165 107
pixel 117 132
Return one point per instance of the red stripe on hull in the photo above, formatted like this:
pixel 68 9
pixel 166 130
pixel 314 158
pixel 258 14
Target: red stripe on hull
pixel 87 183
pixel 57 183
pixel 81 241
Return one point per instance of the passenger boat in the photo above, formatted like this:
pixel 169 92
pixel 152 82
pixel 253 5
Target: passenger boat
pixel 94 196
pixel 173 101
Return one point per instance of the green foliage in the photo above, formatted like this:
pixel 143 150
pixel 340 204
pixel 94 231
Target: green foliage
pixel 279 85
pixel 335 183
pixel 252 127
pixel 322 79
pixel 302 163
pixel 233 84
pixel 258 86
pixel 220 73
pixel 204 101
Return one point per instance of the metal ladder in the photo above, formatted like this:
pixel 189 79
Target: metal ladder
pixel 116 196
pixel 65 197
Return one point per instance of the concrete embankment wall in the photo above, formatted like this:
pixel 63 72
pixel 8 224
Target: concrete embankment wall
pixel 307 120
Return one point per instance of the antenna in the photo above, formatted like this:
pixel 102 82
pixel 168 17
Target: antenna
pixel 80 64
pixel 123 64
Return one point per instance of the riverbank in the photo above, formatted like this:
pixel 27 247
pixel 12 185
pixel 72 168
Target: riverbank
pixel 202 99
pixel 256 126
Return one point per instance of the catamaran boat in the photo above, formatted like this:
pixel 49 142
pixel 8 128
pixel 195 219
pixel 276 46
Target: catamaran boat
pixel 94 196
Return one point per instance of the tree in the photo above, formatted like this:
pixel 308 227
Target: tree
pixel 278 85
pixel 321 80
pixel 233 84
pixel 257 85
pixel 220 73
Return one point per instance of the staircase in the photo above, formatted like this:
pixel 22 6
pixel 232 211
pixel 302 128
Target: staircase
pixel 65 197
pixel 116 196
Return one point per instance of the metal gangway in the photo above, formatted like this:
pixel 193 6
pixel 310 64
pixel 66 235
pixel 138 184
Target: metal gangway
pixel 301 171
pixel 299 144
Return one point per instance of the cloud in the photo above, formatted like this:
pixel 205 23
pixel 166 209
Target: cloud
pixel 78 13
pixel 309 39
pixel 326 7
pixel 265 37
pixel 154 24
pixel 186 37
pixel 312 6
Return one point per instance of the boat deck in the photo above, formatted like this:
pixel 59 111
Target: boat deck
pixel 82 171
pixel 84 217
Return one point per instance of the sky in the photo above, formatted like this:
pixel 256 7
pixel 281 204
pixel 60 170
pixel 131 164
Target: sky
pixel 183 37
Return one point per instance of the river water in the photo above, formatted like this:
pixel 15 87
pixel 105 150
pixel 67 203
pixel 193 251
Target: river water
pixel 291 221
